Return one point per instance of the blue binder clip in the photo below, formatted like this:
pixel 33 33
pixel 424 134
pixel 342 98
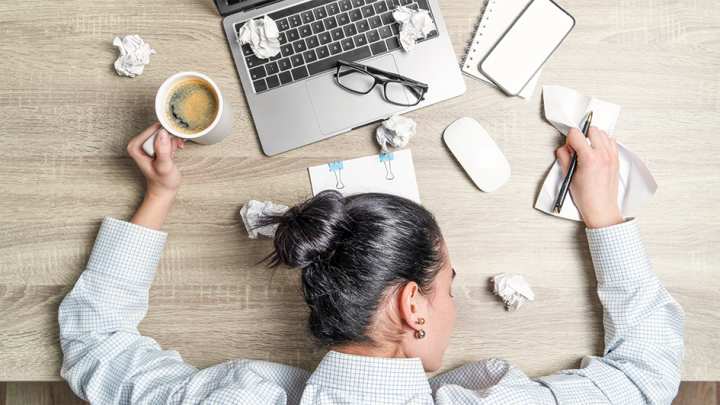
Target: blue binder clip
pixel 336 168
pixel 386 158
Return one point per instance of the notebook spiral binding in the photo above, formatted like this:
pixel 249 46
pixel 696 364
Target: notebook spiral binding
pixel 483 16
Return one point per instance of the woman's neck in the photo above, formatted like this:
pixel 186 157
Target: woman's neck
pixel 388 351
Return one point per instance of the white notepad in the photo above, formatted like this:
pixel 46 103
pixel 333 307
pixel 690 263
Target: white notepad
pixel 495 19
pixel 527 45
pixel 393 173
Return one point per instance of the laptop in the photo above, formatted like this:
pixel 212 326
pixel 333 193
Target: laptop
pixel 294 98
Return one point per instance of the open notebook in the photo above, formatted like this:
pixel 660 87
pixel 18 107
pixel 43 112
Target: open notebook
pixel 495 19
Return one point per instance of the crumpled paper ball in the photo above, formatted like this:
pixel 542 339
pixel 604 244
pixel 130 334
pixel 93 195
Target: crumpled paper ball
pixel 396 131
pixel 134 55
pixel 513 289
pixel 414 25
pixel 253 211
pixel 262 35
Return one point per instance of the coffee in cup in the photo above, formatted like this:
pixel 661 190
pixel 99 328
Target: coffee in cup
pixel 191 105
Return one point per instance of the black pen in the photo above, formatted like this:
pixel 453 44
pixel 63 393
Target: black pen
pixel 571 170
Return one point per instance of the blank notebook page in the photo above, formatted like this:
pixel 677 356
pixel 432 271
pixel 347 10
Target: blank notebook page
pixel 527 45
pixel 498 17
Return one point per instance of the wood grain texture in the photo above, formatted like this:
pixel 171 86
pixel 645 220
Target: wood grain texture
pixel 698 393
pixel 66 118
pixel 59 393
pixel 41 393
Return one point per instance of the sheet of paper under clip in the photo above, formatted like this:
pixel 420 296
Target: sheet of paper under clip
pixel 391 173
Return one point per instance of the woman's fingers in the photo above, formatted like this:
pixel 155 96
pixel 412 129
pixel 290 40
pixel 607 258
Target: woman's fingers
pixel 134 147
pixel 576 139
pixel 175 143
pixel 564 155
pixel 598 138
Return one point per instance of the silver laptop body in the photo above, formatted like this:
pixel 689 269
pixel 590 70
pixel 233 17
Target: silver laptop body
pixel 293 113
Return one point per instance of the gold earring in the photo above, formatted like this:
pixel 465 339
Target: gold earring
pixel 421 333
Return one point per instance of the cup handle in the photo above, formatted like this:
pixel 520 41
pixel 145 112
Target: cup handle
pixel 149 145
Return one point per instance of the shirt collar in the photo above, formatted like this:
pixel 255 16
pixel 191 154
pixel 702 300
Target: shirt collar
pixel 371 374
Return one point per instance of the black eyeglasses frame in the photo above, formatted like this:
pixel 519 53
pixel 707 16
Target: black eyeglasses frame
pixel 415 86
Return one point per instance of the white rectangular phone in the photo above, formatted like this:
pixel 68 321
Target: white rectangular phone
pixel 526 45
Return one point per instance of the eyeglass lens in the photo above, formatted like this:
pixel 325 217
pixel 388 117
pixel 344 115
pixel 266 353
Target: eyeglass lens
pixel 361 82
pixel 355 80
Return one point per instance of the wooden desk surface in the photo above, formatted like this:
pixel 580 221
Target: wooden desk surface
pixel 66 118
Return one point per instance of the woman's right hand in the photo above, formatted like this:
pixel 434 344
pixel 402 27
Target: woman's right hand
pixel 594 186
pixel 162 175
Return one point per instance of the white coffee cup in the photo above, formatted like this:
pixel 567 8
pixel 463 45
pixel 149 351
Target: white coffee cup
pixel 216 132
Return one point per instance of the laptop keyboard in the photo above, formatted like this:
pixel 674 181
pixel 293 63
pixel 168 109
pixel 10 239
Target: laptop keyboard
pixel 316 34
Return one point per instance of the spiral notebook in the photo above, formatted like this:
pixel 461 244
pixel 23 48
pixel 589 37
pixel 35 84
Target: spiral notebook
pixel 495 19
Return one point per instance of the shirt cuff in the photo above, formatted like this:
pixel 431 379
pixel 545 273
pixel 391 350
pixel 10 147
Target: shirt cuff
pixel 126 251
pixel 618 253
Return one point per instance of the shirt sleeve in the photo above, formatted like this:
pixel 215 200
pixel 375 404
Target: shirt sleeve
pixel 107 361
pixel 643 326
pixel 643 341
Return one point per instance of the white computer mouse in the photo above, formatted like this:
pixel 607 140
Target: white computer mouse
pixel 477 153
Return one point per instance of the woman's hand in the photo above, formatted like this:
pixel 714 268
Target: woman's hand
pixel 594 186
pixel 162 175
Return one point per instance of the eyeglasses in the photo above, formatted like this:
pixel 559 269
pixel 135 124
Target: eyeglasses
pixel 361 79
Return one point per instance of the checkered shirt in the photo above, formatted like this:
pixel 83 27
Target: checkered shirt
pixel 106 360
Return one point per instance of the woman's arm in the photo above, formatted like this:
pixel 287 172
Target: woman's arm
pixel 643 328
pixel 99 317
pixel 643 323
pixel 162 175
pixel 106 360
pixel 643 342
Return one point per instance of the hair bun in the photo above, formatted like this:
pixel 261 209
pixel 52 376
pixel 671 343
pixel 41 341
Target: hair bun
pixel 311 231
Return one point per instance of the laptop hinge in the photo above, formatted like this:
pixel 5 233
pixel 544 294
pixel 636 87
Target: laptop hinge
pixel 228 7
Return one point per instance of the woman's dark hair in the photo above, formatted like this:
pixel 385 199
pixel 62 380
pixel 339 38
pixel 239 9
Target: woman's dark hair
pixel 352 252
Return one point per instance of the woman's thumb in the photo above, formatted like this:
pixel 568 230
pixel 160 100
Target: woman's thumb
pixel 163 148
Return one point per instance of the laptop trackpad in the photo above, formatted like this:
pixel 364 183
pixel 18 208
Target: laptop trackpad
pixel 337 108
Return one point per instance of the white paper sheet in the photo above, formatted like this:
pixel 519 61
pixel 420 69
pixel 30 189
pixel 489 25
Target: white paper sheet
pixel 254 211
pixel 134 55
pixel 262 34
pixel 396 131
pixel 368 174
pixel 414 25
pixel 565 109
pixel 513 289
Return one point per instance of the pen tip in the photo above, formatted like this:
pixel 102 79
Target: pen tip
pixel 589 118
pixel 556 210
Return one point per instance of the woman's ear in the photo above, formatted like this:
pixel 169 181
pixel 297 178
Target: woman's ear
pixel 410 305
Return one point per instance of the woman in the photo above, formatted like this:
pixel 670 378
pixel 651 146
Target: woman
pixel 377 278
